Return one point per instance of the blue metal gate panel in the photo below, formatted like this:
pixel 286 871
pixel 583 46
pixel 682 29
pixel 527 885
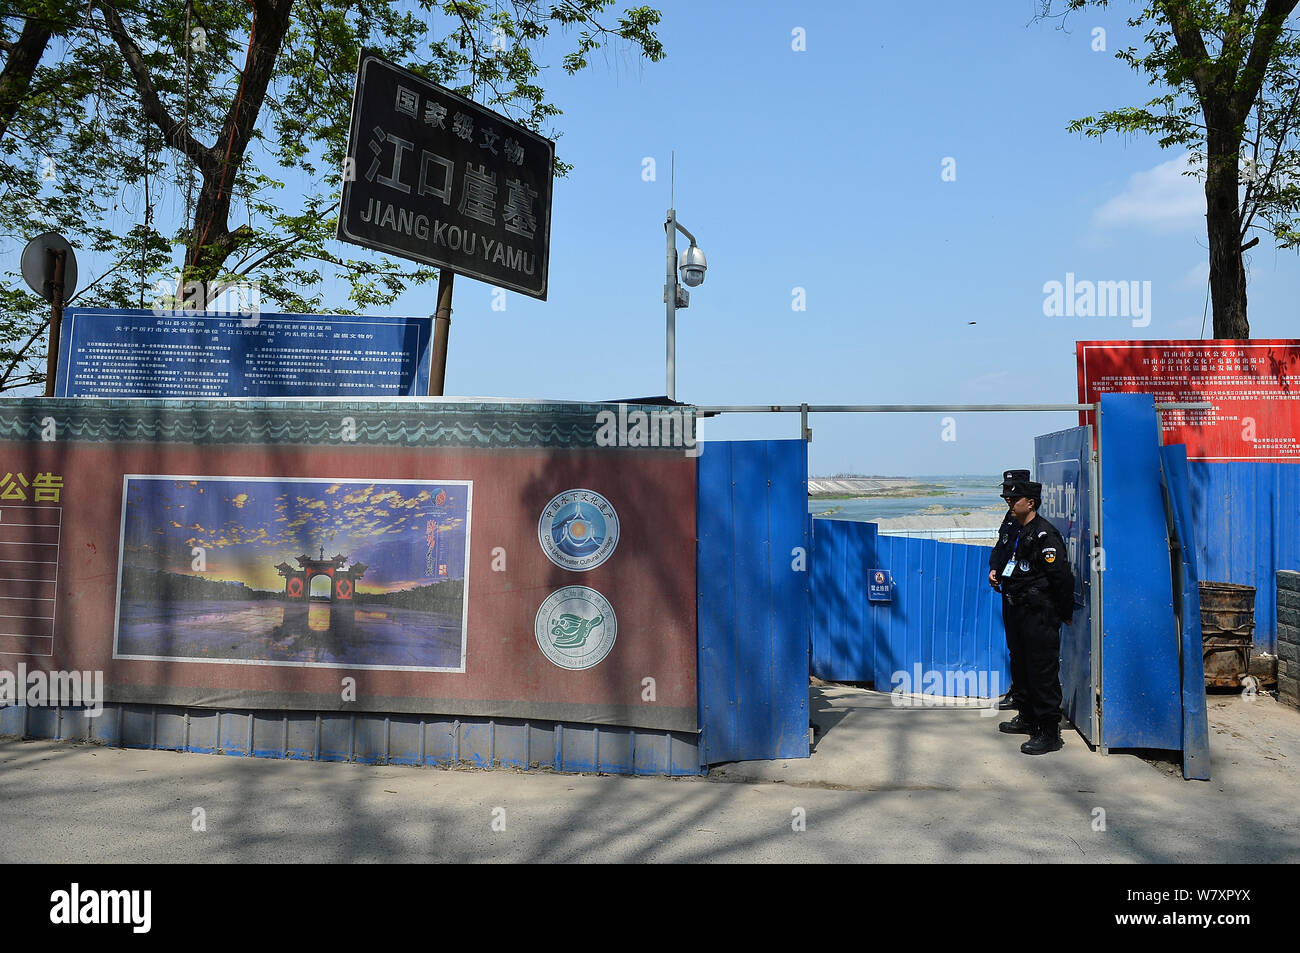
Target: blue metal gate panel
pixel 788 532
pixel 843 644
pixel 715 614
pixel 1063 464
pixel 753 607
pixel 1196 728
pixel 1141 696
pixel 753 600
pixel 1244 528
pixel 943 618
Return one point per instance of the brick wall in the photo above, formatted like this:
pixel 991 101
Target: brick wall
pixel 1288 638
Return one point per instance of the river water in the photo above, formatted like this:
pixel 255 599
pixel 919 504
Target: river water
pixel 963 494
pixel 265 631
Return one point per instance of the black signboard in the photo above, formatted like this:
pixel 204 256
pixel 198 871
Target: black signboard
pixel 438 179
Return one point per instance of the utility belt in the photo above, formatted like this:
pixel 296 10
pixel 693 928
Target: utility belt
pixel 1029 597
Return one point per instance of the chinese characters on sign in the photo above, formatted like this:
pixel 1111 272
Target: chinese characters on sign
pixel 136 353
pixel 880 585
pixel 1254 386
pixel 41 488
pixel 436 178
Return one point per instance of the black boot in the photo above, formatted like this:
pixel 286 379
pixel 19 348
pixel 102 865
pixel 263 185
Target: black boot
pixel 1046 738
pixel 1007 703
pixel 1020 725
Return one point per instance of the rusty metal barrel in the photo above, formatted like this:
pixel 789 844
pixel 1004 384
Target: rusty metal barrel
pixel 1227 632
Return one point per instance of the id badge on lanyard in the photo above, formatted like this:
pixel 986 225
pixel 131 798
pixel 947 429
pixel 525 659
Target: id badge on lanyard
pixel 1010 567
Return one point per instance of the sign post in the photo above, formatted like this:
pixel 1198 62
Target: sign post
pixel 441 333
pixel 56 319
pixel 436 178
pixel 49 267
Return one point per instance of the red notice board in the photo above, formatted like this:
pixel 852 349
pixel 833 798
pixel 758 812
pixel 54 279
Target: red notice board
pixel 1254 386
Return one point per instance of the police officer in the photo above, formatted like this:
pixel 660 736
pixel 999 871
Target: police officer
pixel 1037 597
pixel 1015 696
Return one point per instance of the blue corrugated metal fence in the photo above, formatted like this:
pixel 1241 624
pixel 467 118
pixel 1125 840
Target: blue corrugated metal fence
pixel 944 617
pixel 1245 527
pixel 367 738
pixel 1196 728
pixel 1141 703
pixel 753 600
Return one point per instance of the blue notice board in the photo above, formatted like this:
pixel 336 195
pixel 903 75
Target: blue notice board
pixel 139 353
pixel 880 585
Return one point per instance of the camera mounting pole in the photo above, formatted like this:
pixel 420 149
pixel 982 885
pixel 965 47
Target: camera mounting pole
pixel 693 266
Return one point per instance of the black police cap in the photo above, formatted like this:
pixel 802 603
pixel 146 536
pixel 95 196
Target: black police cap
pixel 1027 488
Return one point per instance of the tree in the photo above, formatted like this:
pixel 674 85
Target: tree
pixel 1230 73
pixel 21 58
pixel 225 102
pixel 63 156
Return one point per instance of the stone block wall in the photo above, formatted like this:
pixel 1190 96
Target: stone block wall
pixel 1288 638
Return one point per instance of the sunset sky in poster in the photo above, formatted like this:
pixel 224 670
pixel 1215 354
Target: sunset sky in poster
pixel 246 526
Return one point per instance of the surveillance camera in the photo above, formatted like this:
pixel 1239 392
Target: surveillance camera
pixel 693 266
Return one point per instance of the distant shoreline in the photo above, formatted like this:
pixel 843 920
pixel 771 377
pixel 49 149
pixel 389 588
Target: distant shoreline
pixel 866 488
pixel 918 490
pixel 964 509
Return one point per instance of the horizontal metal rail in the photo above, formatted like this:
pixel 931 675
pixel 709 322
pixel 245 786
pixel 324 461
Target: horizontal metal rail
pixel 917 408
pixel 803 410
pixel 700 408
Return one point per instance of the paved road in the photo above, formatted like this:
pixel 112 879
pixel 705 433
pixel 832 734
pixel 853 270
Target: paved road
pixel 929 785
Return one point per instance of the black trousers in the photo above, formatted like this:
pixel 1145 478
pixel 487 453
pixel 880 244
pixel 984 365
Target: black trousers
pixel 1016 690
pixel 1034 640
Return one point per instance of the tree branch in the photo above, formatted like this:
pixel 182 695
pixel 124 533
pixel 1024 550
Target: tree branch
pixel 1190 44
pixel 1248 84
pixel 477 58
pixel 1274 160
pixel 271 252
pixel 24 57
pixel 18 355
pixel 177 135
pixel 1250 197
pixel 266 37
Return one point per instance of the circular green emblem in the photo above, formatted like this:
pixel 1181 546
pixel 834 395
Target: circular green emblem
pixel 576 627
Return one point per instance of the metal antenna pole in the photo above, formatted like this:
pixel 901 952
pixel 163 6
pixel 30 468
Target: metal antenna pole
pixel 670 296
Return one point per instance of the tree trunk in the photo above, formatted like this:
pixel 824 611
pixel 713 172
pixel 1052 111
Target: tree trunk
pixel 211 242
pixel 1223 226
pixel 20 66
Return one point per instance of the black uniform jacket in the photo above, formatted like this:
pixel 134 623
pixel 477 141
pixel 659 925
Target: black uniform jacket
pixel 1006 536
pixel 1042 574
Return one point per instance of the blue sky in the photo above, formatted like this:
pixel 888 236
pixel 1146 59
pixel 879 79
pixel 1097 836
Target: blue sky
pixel 821 169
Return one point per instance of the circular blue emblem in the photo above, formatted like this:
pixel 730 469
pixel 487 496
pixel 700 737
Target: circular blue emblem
pixel 578 530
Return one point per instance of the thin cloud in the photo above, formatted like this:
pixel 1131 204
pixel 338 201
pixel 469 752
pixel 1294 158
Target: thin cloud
pixel 990 381
pixel 1195 277
pixel 1161 198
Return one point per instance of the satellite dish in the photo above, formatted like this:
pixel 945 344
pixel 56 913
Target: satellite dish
pixel 38 265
